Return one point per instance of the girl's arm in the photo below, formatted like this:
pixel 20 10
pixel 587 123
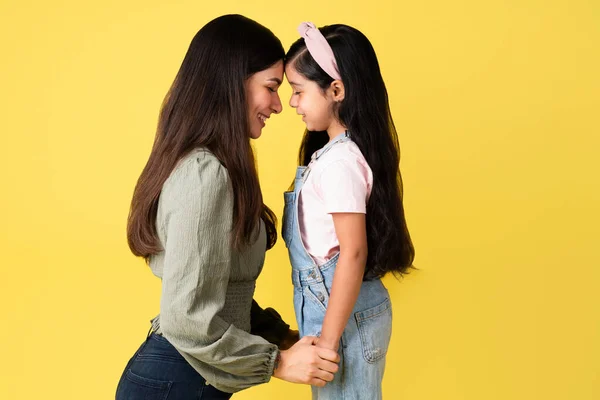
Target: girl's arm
pixel 351 231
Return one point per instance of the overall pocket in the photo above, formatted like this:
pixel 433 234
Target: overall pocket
pixel 375 329
pixel 287 221
pixel 318 294
pixel 315 299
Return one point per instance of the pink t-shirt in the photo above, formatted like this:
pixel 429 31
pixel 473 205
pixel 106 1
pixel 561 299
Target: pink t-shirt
pixel 339 181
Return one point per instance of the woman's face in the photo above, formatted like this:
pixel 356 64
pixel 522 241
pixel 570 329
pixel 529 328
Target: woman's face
pixel 263 99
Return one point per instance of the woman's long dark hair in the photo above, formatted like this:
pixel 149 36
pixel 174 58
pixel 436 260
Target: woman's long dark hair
pixel 365 112
pixel 206 107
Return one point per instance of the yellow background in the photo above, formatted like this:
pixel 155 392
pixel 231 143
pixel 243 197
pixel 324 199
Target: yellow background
pixel 496 104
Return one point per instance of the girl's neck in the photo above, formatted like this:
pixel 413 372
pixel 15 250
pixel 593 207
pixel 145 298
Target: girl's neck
pixel 336 128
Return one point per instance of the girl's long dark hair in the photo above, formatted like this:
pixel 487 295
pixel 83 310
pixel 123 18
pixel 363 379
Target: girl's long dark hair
pixel 206 107
pixel 365 112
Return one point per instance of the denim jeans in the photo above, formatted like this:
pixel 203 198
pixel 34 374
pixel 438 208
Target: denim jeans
pixel 158 372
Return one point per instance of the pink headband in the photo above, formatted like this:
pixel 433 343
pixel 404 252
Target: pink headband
pixel 319 49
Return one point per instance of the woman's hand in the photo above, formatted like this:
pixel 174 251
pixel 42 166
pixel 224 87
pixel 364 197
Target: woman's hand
pixel 306 363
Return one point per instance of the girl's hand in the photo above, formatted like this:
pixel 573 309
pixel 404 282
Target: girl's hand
pixel 290 339
pixel 306 363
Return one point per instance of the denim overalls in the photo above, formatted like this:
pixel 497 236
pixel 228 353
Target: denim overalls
pixel 365 340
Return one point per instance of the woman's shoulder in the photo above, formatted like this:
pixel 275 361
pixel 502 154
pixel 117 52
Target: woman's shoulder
pixel 197 172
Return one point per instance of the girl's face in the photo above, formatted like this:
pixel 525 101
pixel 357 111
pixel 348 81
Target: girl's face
pixel 315 106
pixel 262 97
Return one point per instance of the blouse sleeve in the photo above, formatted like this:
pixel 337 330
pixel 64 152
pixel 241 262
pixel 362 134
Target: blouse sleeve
pixel 197 265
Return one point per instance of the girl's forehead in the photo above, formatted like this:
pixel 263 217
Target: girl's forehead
pixel 291 73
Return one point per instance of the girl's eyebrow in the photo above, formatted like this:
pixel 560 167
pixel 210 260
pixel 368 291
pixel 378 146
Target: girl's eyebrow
pixel 294 83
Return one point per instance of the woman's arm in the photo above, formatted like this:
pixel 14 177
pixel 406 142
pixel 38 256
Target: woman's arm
pixel 197 212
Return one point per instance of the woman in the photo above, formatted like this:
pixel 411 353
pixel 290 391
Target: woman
pixel 198 218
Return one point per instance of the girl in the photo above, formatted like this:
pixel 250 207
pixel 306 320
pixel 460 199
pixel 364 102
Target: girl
pixel 344 223
pixel 198 218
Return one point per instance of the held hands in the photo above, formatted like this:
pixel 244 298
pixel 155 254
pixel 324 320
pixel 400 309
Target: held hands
pixel 325 343
pixel 306 363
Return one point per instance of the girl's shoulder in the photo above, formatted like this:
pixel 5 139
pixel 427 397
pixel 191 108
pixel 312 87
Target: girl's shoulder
pixel 346 151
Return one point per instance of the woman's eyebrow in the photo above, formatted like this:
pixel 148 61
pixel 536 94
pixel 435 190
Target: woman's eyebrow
pixel 276 80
